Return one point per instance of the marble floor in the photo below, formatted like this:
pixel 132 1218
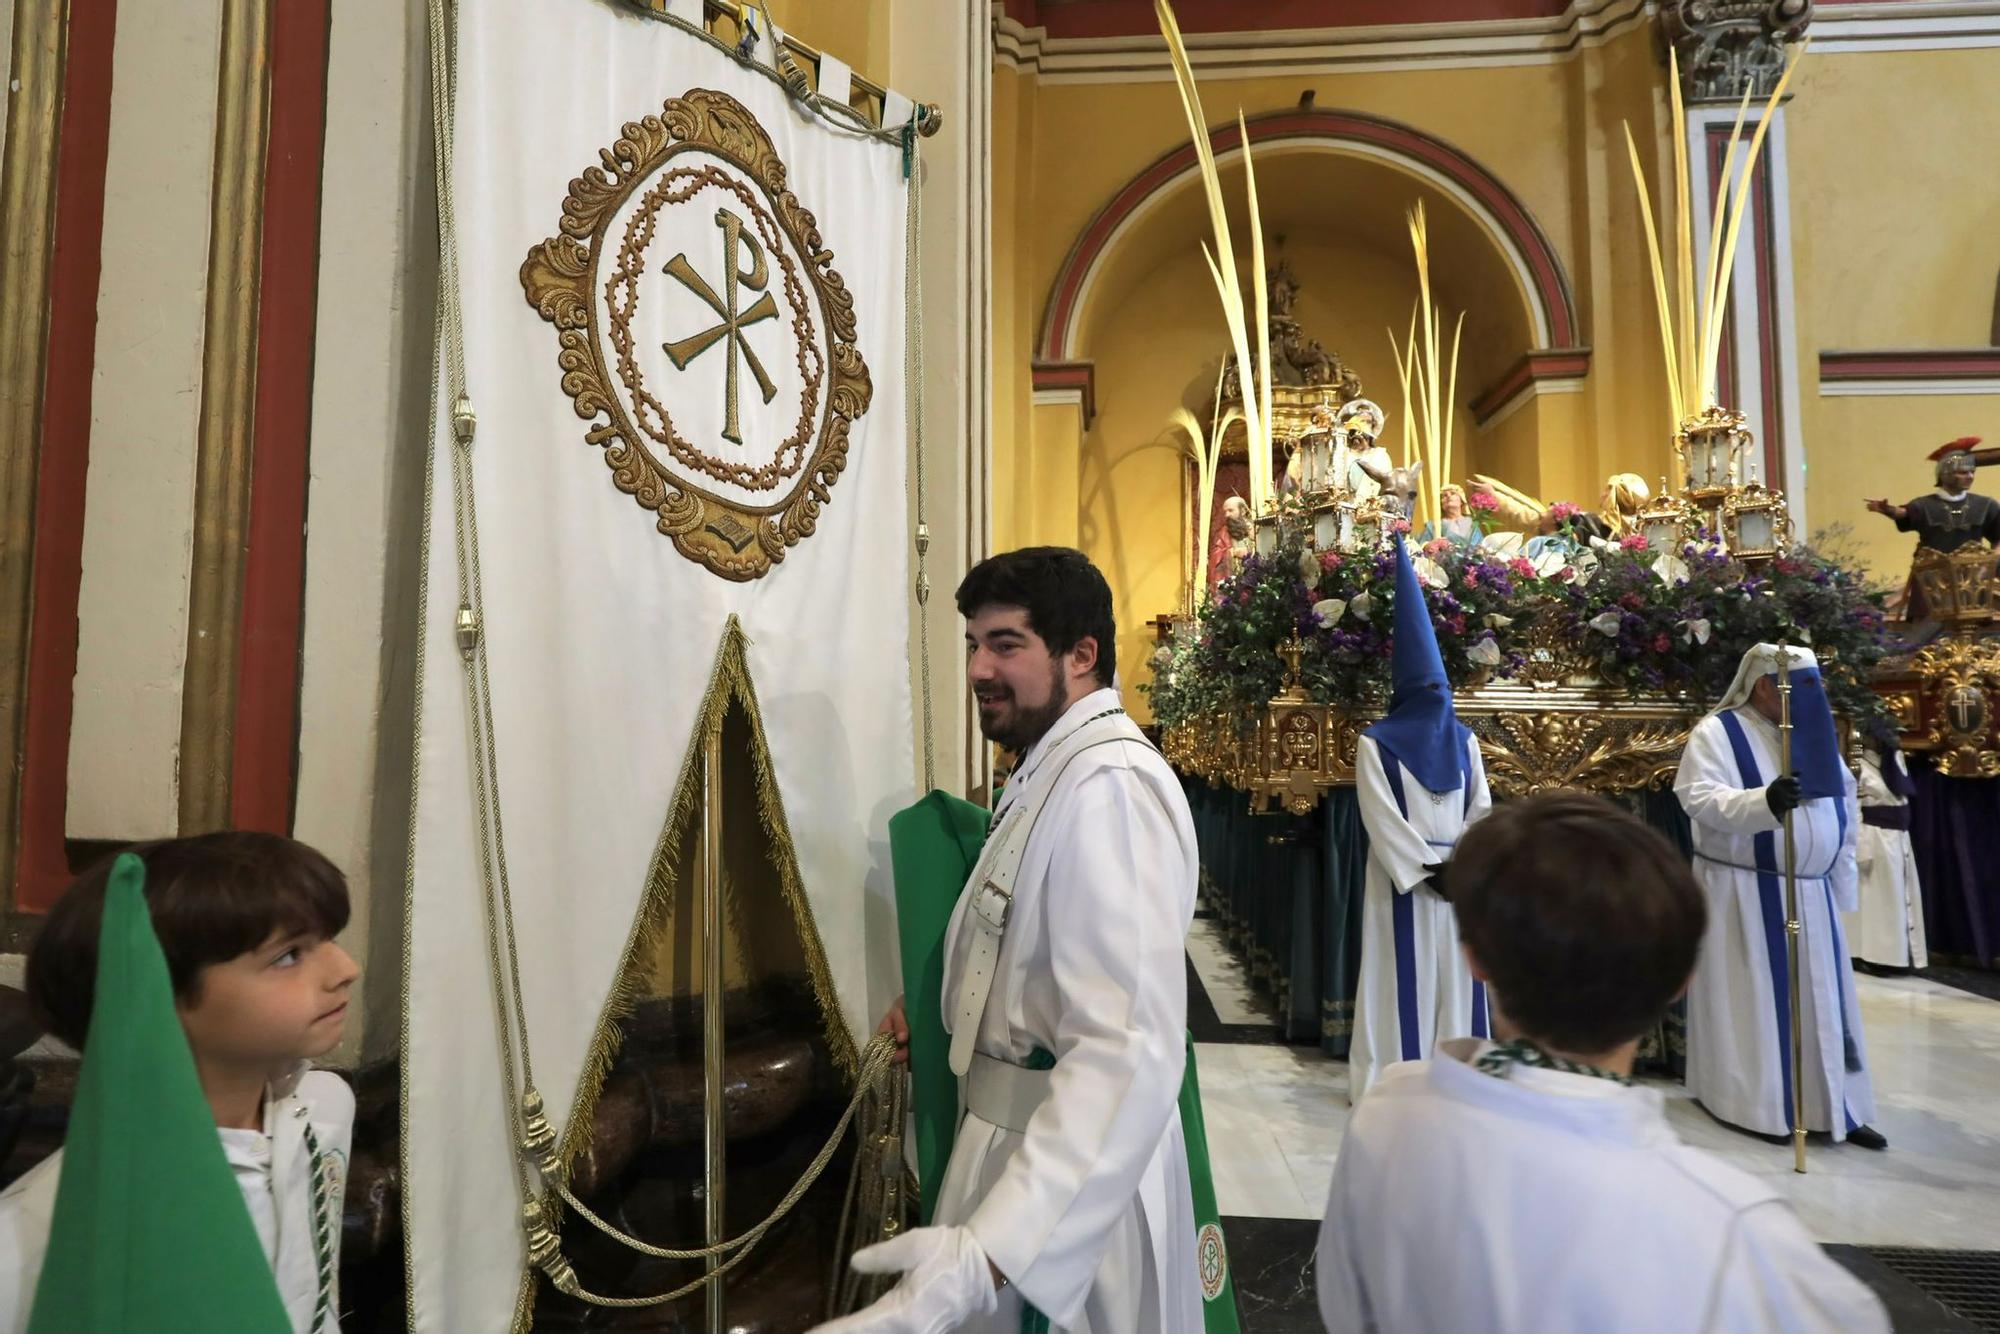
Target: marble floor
pixel 1276 1114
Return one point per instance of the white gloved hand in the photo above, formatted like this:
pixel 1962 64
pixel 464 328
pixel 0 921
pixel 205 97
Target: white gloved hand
pixel 946 1281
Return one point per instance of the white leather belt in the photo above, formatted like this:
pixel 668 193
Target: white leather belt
pixel 989 910
pixel 1003 1094
pixel 993 901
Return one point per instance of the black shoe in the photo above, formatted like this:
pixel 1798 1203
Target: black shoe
pixel 1867 1137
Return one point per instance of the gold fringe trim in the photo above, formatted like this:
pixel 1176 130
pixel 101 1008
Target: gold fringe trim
pixel 729 682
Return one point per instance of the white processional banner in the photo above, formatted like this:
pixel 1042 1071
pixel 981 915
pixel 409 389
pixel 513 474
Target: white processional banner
pixel 683 312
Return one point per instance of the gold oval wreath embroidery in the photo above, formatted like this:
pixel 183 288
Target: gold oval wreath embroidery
pixel 560 276
pixel 621 297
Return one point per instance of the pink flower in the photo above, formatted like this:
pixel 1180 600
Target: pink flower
pixel 1522 566
pixel 1399 525
pixel 1437 546
pixel 1661 643
pixel 1562 509
pixel 1482 500
pixel 1471 576
pixel 1633 542
pixel 1329 560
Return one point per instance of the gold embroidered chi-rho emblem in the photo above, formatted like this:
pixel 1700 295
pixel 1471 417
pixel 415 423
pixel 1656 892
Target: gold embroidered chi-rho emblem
pixel 703 333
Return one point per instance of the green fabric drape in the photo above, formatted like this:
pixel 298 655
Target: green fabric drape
pixel 150 1230
pixel 932 848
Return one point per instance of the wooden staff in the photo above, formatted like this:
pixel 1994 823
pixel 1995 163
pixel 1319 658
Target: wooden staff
pixel 1792 916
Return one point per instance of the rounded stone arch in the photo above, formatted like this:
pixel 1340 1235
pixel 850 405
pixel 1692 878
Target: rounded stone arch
pixel 1537 271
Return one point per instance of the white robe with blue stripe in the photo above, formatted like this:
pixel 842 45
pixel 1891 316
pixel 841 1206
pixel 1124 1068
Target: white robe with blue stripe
pixel 1415 989
pixel 1739 1007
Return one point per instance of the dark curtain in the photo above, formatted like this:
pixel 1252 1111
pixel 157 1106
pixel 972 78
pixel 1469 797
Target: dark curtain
pixel 1955 829
pixel 1664 1050
pixel 1286 891
pixel 1343 870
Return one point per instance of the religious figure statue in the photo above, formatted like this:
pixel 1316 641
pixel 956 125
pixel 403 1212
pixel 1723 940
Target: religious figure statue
pixel 1233 542
pixel 1357 426
pixel 1954 515
pixel 1296 359
pixel 1625 494
pixel 1454 524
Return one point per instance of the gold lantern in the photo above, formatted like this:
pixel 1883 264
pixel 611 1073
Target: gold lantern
pixel 1666 521
pixel 1755 524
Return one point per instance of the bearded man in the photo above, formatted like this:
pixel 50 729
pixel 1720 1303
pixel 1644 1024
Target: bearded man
pixel 1069 1192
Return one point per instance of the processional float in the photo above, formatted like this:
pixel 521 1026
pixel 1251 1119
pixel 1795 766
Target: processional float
pixel 1551 721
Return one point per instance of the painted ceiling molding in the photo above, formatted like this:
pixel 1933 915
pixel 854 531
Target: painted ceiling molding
pixel 1118 41
pixel 1506 221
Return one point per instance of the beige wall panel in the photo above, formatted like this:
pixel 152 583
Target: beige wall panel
pixel 1896 220
pixel 1896 244
pixel 371 391
pixel 6 56
pixel 145 394
pixel 941 53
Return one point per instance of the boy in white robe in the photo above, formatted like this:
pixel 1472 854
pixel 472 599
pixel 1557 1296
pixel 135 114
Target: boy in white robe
pixel 1420 781
pixel 1739 1007
pixel 1528 1185
pixel 1887 929
pixel 1068 1184
pixel 246 922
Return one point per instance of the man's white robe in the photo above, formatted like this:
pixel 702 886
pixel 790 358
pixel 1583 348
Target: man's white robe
pixel 1415 988
pixel 1888 926
pixel 1739 1025
pixel 1555 1203
pixel 1089 1213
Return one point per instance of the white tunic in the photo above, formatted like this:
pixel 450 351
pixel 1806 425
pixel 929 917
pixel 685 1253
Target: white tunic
pixel 1553 1203
pixel 1090 1212
pixel 1739 1025
pixel 1415 988
pixel 273 1170
pixel 1888 926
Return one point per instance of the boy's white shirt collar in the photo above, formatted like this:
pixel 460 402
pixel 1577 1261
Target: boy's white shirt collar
pixel 1596 1108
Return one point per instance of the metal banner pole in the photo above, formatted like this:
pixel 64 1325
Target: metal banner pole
pixel 713 1138
pixel 1792 924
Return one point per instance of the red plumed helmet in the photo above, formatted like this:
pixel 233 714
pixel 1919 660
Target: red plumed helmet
pixel 1965 444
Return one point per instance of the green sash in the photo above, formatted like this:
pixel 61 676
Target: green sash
pixel 933 847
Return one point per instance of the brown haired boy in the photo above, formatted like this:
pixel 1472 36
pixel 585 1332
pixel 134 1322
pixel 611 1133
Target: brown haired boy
pixel 246 922
pixel 1525 1184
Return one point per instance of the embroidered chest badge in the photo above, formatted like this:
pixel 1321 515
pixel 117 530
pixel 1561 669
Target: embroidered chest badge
pixel 703 333
pixel 1212 1257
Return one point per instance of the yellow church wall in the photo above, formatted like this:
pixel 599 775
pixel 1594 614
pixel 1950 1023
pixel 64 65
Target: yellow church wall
pixel 1872 138
pixel 1013 312
pixel 1895 224
pixel 1623 421
pixel 1893 247
pixel 856 31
